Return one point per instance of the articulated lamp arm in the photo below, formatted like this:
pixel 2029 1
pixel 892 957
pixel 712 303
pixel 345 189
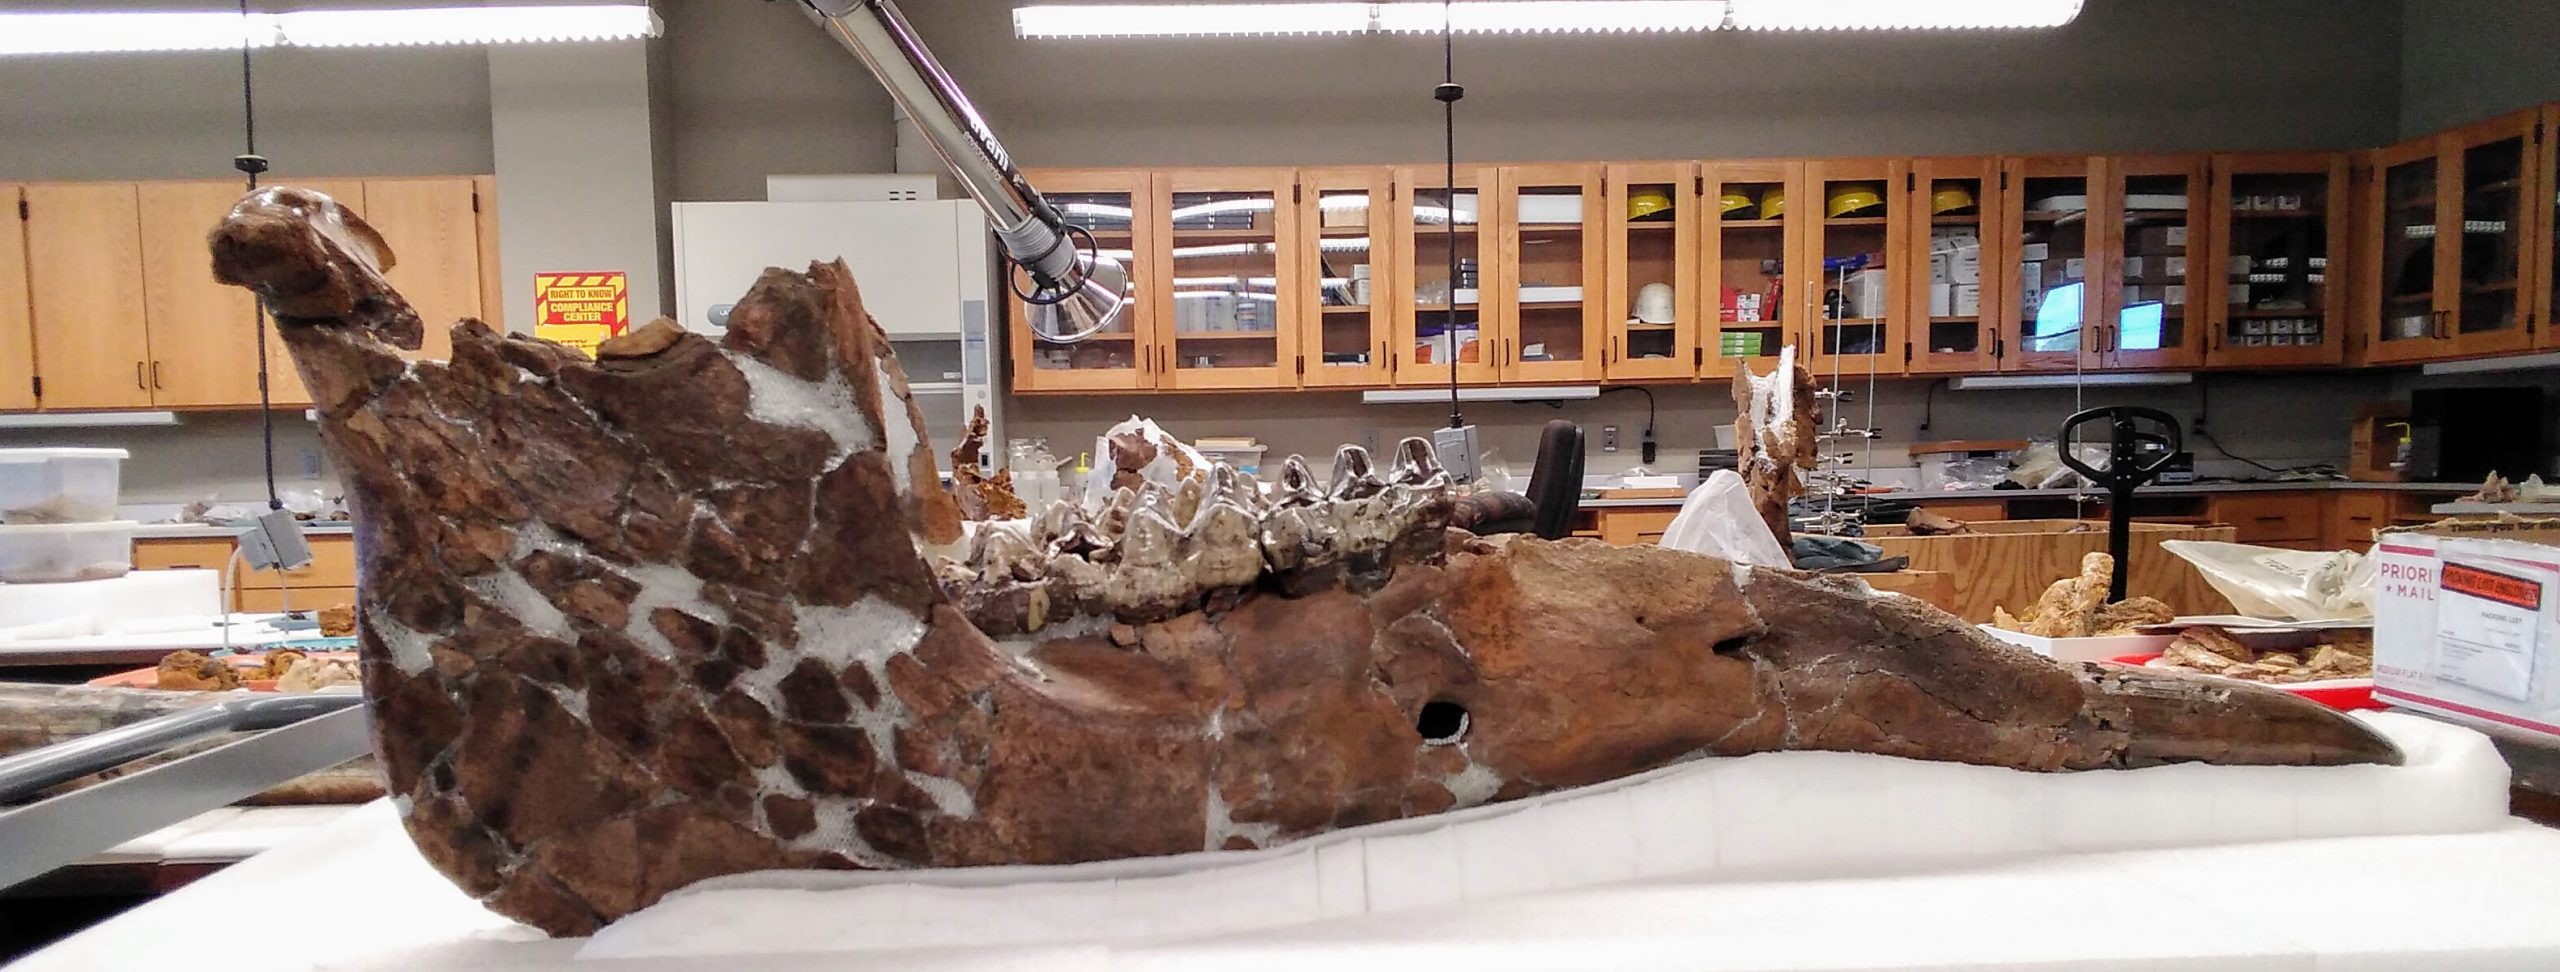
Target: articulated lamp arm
pixel 1075 291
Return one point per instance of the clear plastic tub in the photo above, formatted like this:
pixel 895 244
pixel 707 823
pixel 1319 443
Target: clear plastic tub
pixel 41 486
pixel 66 552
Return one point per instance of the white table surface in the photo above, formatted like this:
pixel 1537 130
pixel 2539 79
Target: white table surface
pixel 2476 902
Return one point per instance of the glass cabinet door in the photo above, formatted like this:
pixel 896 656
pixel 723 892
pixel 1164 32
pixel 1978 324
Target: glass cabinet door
pixel 2494 182
pixel 1444 319
pixel 1343 297
pixel 1652 304
pixel 2047 206
pixel 1224 310
pixel 2278 233
pixel 2152 286
pixel 1744 247
pixel 2403 194
pixel 1553 233
pixel 1857 232
pixel 2547 197
pixel 1954 306
pixel 1108 204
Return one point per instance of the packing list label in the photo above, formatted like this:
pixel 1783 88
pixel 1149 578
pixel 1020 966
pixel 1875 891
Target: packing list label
pixel 2489 624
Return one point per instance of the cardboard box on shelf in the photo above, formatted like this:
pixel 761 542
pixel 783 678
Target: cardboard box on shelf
pixel 2159 239
pixel 1964 265
pixel 2075 268
pixel 1867 295
pixel 1941 300
pixel 2030 293
pixel 2034 252
pixel 1545 208
pixel 2465 623
pixel 2240 265
pixel 1965 299
pixel 1938 260
pixel 2141 293
pixel 2173 294
pixel 1746 308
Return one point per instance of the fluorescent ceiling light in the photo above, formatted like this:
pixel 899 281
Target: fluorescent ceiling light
pixel 1499 393
pixel 2477 366
pixel 1475 16
pixel 1530 16
pixel 1899 14
pixel 99 33
pixel 1991 382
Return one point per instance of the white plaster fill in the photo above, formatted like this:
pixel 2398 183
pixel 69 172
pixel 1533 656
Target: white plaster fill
pixel 778 398
pixel 408 646
pixel 899 431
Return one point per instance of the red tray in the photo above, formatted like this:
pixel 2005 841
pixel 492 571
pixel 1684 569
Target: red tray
pixel 2342 694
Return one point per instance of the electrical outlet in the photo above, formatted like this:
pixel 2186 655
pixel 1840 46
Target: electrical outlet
pixel 1608 438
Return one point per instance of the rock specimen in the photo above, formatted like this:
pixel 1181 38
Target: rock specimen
pixel 1776 430
pixel 635 622
pixel 982 497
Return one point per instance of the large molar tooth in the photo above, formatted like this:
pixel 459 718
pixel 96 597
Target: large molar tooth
pixel 1297 484
pixel 1188 498
pixel 1114 519
pixel 1355 477
pixel 1418 466
pixel 1005 553
pixel 1221 548
pixel 1148 583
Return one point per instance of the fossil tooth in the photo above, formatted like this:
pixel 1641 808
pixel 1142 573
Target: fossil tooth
pixel 1297 484
pixel 1354 475
pixel 1114 520
pixel 1221 547
pixel 1187 498
pixel 1417 465
pixel 1148 584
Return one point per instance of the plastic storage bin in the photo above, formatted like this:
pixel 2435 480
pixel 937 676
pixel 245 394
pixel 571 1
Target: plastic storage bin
pixel 59 485
pixel 66 552
pixel 1247 460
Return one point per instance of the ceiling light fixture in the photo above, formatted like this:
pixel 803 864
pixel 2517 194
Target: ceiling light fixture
pixel 1531 16
pixel 1900 14
pixel 137 31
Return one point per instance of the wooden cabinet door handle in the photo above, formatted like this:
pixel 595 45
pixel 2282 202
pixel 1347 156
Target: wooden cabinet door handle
pixel 137 377
pixel 155 374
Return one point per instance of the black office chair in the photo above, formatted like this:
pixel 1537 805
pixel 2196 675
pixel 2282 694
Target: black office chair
pixel 1554 495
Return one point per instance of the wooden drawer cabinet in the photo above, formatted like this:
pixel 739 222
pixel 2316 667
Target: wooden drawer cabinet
pixel 330 577
pixel 2267 518
pixel 1635 527
pixel 2354 515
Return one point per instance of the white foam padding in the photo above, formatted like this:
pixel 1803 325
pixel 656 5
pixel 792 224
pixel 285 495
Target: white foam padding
pixel 1789 816
pixel 98 603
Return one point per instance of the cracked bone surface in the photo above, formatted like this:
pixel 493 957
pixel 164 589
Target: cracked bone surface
pixel 639 621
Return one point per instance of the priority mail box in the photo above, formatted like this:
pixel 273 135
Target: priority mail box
pixel 2466 623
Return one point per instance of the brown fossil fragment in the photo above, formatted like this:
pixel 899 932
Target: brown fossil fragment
pixel 632 623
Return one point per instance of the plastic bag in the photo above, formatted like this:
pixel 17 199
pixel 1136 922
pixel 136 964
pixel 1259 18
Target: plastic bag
pixel 1718 520
pixel 2284 585
pixel 2040 459
pixel 1981 472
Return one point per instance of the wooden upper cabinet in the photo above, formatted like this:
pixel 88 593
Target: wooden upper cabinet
pixel 2156 208
pixel 85 288
pixel 1958 269
pixel 2544 270
pixel 1852 304
pixel 1653 213
pixel 2496 188
pixel 1549 315
pixel 1231 291
pixel 1749 256
pixel 204 335
pixel 1428 215
pixel 2399 309
pixel 1117 207
pixel 2275 260
pixel 17 336
pixel 2047 205
pixel 433 229
pixel 1346 327
pixel 493 289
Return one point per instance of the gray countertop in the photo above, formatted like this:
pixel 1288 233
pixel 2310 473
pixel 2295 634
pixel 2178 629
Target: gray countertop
pixel 199 531
pixel 2198 489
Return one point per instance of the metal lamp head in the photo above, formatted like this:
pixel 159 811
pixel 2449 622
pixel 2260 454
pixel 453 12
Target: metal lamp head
pixel 1099 301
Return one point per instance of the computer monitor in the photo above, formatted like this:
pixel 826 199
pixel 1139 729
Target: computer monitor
pixel 2139 327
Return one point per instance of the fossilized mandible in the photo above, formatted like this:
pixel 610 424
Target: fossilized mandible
pixel 633 622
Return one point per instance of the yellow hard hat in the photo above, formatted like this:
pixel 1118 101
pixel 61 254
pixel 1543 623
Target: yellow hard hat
pixel 1851 197
pixel 1734 201
pixel 1646 202
pixel 1773 203
pixel 1949 198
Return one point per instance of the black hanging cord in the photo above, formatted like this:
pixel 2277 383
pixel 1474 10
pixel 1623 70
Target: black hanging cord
pixel 1648 403
pixel 1448 94
pixel 252 165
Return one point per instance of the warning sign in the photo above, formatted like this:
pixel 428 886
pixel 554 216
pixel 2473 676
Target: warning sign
pixel 581 309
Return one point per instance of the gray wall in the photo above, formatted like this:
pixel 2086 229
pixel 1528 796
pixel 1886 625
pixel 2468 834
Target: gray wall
pixel 2465 60
pixel 2128 75
pixel 385 111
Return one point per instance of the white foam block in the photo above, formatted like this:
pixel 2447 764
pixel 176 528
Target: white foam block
pixel 1794 816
